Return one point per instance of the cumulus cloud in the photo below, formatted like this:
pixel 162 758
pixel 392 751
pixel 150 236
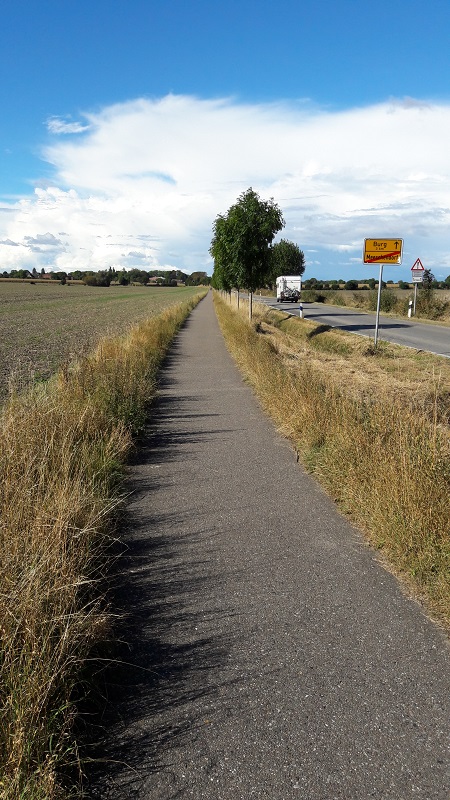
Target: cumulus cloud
pixel 43 239
pixel 137 254
pixel 146 181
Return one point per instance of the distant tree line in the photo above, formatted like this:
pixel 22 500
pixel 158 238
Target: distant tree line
pixel 110 276
pixel 282 258
pixel 429 281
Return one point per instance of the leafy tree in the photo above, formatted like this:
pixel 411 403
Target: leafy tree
pixel 241 242
pixel 312 283
pixel 138 276
pixel 428 279
pixel 403 285
pixel 426 304
pixel 101 278
pixel 197 279
pixel 427 285
pixel 286 258
pixel 447 280
pixel 15 273
pixel 351 285
pixel 223 275
pixel 170 278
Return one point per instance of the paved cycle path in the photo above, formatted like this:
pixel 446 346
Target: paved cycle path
pixel 266 654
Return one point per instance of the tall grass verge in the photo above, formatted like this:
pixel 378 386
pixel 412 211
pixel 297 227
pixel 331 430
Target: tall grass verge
pixel 432 304
pixel 381 451
pixel 63 446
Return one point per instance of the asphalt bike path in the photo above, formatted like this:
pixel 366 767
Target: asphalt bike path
pixel 266 654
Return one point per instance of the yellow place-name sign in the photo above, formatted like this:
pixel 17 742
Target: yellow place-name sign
pixel 383 251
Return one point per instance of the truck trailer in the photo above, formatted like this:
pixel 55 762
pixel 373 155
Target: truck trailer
pixel 288 288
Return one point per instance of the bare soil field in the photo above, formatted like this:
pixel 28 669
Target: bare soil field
pixel 43 326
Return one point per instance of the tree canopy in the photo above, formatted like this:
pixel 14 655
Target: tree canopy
pixel 286 258
pixel 197 279
pixel 241 242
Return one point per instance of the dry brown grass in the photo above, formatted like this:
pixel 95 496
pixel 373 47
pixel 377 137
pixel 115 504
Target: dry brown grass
pixel 62 450
pixel 351 362
pixel 436 311
pixel 378 442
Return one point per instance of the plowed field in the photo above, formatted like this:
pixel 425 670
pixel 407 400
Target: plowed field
pixel 42 326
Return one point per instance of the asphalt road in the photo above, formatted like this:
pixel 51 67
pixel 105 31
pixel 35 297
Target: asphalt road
pixel 266 654
pixel 407 332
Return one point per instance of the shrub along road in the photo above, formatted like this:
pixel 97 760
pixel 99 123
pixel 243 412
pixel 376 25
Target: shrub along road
pixel 266 652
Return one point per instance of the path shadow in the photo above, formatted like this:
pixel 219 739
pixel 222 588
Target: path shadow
pixel 317 331
pixel 385 323
pixel 149 679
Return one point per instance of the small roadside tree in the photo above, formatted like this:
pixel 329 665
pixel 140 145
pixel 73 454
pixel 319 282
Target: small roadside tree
pixel 427 282
pixel 224 276
pixel 286 258
pixel 241 242
pixel 426 297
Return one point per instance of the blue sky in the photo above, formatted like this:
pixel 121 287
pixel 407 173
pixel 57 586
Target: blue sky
pixel 126 127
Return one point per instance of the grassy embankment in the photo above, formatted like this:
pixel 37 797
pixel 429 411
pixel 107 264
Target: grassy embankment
pixel 373 426
pixel 429 307
pixel 63 445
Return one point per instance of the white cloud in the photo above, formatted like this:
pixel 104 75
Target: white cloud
pixel 144 184
pixel 57 125
pixel 43 239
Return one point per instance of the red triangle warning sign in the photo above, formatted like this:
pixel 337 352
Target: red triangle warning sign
pixel 418 265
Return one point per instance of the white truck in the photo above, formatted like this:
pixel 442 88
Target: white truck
pixel 288 288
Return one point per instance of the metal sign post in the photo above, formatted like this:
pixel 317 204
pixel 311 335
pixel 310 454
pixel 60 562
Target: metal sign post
pixel 382 251
pixel 417 271
pixel 377 320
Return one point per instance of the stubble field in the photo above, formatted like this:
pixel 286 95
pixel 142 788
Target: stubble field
pixel 43 326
